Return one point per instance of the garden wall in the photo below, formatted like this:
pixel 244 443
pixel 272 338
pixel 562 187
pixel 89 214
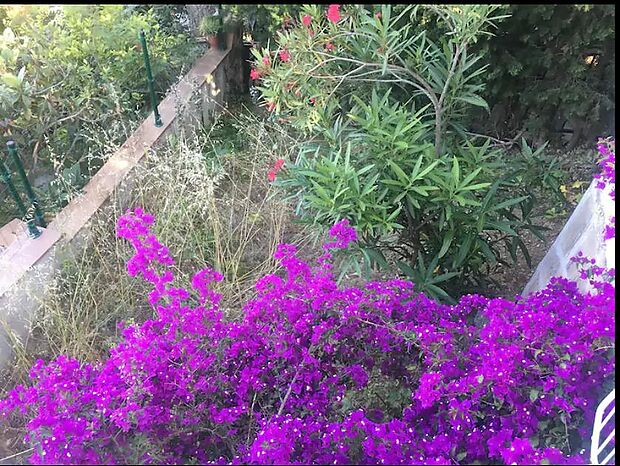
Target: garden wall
pixel 583 232
pixel 27 265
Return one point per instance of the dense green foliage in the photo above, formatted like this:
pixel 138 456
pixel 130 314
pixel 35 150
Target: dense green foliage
pixel 262 21
pixel 72 79
pixel 553 65
pixel 172 18
pixel 385 104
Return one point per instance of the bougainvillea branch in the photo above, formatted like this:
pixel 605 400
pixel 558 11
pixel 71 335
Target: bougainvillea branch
pixel 607 178
pixel 299 378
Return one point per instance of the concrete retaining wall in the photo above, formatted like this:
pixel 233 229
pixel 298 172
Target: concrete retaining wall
pixel 583 232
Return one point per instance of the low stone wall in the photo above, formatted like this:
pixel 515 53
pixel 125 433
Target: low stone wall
pixel 27 265
pixel 583 232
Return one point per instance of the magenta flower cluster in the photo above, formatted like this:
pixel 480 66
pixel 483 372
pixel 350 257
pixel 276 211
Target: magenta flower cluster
pixel 607 177
pixel 298 378
pixel 588 270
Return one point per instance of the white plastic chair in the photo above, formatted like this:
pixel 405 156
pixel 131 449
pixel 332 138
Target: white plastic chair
pixel 597 447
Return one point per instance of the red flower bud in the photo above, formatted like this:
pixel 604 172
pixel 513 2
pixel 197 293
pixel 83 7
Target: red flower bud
pixel 276 168
pixel 284 55
pixel 333 13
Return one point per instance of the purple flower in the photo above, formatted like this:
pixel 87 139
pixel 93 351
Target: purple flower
pixel 343 234
pixel 314 372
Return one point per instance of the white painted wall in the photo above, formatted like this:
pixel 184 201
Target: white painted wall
pixel 583 232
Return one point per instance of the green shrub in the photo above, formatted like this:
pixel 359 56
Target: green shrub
pixel 262 21
pixel 209 25
pixel 384 105
pixel 172 18
pixel 70 73
pixel 553 65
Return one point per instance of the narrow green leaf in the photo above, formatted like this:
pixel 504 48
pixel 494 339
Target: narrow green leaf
pixel 399 172
pixel 444 277
pixel 486 250
pixel 456 172
pixel 508 203
pixel 447 241
pixel 501 226
pixel 406 269
pixel 475 187
pixel 474 100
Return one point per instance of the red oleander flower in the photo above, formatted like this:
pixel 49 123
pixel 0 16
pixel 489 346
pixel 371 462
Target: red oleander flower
pixel 266 60
pixel 312 100
pixel 284 55
pixel 333 13
pixel 306 20
pixel 255 74
pixel 276 168
pixel 330 46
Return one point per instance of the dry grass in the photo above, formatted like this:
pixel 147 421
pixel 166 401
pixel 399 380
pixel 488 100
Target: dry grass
pixel 214 207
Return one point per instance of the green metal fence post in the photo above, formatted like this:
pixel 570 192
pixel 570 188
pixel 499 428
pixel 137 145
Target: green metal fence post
pixel 33 231
pixel 38 213
pixel 149 76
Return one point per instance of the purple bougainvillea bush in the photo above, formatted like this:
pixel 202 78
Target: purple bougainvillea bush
pixel 318 373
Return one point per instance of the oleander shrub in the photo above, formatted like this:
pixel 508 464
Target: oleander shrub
pixel 317 373
pixel 383 104
pixel 551 73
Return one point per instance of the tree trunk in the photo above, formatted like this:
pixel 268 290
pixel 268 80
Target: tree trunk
pixel 195 13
